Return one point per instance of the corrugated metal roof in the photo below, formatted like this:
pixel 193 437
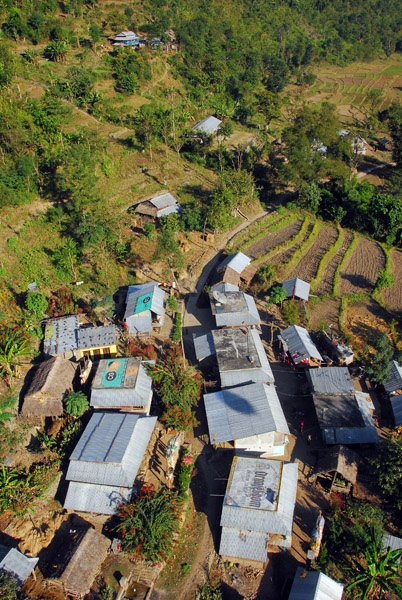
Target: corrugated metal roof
pixel 141 323
pixel 299 343
pixel 208 125
pixel 245 544
pixel 136 291
pixel 224 287
pixel 163 200
pixel 279 521
pixel 394 381
pixel 237 413
pixel 391 541
pixel 111 449
pixel 138 395
pixel 313 585
pixel 297 287
pixel 17 564
pixel 234 309
pixel 102 499
pixel 168 210
pixel 330 380
pixel 356 435
pixel 203 346
pixel 238 262
pixel 396 404
pixel 96 337
pixel 61 335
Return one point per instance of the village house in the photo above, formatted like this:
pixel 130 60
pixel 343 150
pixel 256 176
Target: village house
pixel 52 381
pixel 239 353
pixel 158 206
pixel 251 416
pixel 122 384
pixel 393 388
pixel 313 585
pixel 145 309
pixel 344 414
pixel 66 337
pixel 258 509
pixel 207 126
pixel 297 288
pixel 234 269
pixel 298 347
pixel 234 309
pixel 80 563
pixel 337 351
pixel 105 462
pixel 16 564
pixel 337 469
pixel 125 38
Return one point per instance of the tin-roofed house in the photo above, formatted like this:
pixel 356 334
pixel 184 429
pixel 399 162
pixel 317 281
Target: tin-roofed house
pixel 145 309
pixel 235 269
pixel 159 206
pixel 337 469
pixel 298 347
pixel 76 569
pixel 251 416
pixel 16 564
pixel 393 385
pixel 122 384
pixel 207 126
pixel 52 381
pixel 65 337
pixel 297 288
pixel 257 509
pixel 234 309
pixel 313 585
pixel 105 462
pixel 344 414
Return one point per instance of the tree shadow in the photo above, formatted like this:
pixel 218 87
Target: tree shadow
pixel 358 280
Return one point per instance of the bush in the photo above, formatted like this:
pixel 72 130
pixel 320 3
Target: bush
pixel 290 312
pixel 185 470
pixel 76 404
pixel 172 303
pixel 177 329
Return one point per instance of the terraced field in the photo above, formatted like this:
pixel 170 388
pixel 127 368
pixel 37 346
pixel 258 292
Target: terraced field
pixel 327 283
pixel 361 272
pixel 307 267
pixel 393 296
pixel 272 240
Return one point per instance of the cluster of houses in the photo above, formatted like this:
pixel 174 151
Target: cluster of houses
pixel 244 414
pixel 131 39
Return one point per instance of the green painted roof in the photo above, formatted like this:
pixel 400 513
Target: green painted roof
pixel 143 303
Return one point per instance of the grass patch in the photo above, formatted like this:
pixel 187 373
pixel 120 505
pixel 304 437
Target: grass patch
pixel 290 242
pixel 332 250
pixel 343 263
pixel 386 278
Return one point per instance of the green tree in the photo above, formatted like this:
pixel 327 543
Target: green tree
pixel 290 312
pixel 15 345
pixel 37 303
pixel 149 230
pixel 388 468
pixel 8 586
pixel 76 404
pixel 385 280
pixel 377 364
pixel 277 295
pixel 380 574
pixel 56 51
pixel 7 68
pixel 265 275
pixel 148 525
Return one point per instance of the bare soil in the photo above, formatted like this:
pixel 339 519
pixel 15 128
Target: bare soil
pixel 361 273
pixel 307 267
pixel 274 239
pixel 365 320
pixel 325 311
pixel 282 257
pixel 393 296
pixel 326 285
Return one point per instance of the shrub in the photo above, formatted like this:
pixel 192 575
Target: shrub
pixel 76 404
pixel 177 329
pixel 290 312
pixel 172 303
pixel 185 470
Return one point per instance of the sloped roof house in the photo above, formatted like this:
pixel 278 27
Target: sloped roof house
pixel 313 585
pixel 145 308
pixel 208 126
pixel 297 288
pixel 159 206
pixel 234 269
pixel 16 564
pixel 251 416
pixel 122 384
pixel 234 309
pixel 51 382
pixel 393 385
pixel 258 508
pixel 105 462
pixel 298 346
pixel 64 336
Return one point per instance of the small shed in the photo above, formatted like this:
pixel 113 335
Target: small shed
pixel 207 126
pixel 234 269
pixel 234 309
pixel 97 342
pixel 337 469
pixel 396 405
pixel 122 384
pixel 145 309
pixel 82 564
pixel 298 347
pixel 313 585
pixel 257 508
pixel 251 416
pixel 393 385
pixel 16 564
pixel 159 206
pixel 297 288
pixel 51 382
pixel 335 348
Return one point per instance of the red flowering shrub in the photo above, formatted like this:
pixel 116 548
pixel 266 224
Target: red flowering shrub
pixel 148 523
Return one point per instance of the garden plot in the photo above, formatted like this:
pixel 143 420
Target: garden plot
pixel 284 256
pixel 274 239
pixel 307 267
pixel 393 296
pixel 326 285
pixel 361 272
